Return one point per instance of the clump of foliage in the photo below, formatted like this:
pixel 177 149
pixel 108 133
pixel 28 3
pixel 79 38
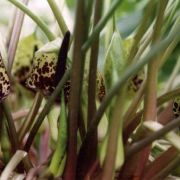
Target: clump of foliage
pixel 100 101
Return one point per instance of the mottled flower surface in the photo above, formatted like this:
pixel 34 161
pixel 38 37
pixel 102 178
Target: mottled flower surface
pixel 43 73
pixel 4 81
pixel 176 107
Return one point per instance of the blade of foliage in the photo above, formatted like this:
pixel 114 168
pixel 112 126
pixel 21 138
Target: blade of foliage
pixel 61 142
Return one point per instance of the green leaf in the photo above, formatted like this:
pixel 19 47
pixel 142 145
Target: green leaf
pixel 24 57
pixel 52 119
pixel 59 153
pixel 51 47
pixel 114 61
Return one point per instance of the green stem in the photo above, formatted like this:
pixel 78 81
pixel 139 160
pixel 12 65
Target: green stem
pixel 115 133
pixel 160 100
pixel 45 111
pixel 134 105
pixel 12 164
pixel 57 13
pixel 87 156
pixel 150 96
pixel 136 147
pixel 132 70
pixel 160 163
pixel 100 25
pixel 14 39
pixel 167 53
pixel 167 96
pixel 12 130
pixel 151 87
pixel 174 74
pixel 29 121
pixel 75 95
pixel 34 17
pixel 88 10
pixel 4 141
pixel 168 169
pixel 93 66
pixel 136 119
pixel 141 30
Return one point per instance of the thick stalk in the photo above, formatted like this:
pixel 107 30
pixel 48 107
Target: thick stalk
pixel 151 87
pixel 75 94
pixel 86 158
pixel 114 133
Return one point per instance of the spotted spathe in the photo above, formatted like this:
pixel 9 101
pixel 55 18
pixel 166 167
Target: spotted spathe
pixel 135 83
pixel 43 73
pixel 176 107
pixel 4 81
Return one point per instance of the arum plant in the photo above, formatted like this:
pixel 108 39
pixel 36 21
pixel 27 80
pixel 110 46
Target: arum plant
pixel 94 110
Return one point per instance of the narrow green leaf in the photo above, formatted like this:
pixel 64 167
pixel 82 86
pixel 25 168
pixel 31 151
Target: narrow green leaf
pixel 59 153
